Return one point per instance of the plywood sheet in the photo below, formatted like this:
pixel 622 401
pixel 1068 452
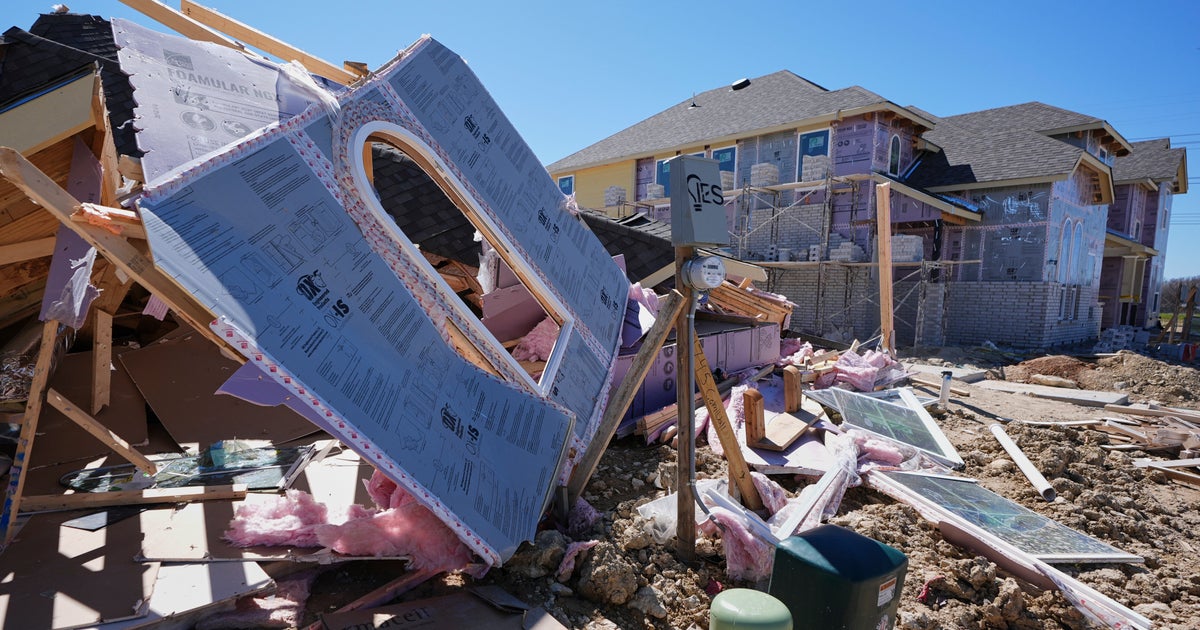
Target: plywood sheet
pixel 179 378
pixel 53 576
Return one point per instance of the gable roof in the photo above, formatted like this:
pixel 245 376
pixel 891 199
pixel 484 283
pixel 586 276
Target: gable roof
pixel 59 46
pixel 1005 145
pixel 776 101
pixel 1154 160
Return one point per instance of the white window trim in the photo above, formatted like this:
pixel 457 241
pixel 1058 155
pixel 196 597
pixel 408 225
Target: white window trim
pixel 800 148
pixel 564 177
pixel 899 151
pixel 409 142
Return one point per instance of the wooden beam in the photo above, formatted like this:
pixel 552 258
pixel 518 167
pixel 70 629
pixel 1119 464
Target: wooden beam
pixel 100 432
pixel 59 203
pixel 619 401
pixel 181 23
pixel 1154 413
pixel 119 221
pixel 20 252
pixel 883 239
pixel 266 43
pixel 149 496
pixel 1189 309
pixel 101 361
pixel 105 148
pixel 739 471
pixel 793 389
pixel 33 410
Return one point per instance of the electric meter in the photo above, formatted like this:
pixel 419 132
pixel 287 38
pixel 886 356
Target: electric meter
pixel 704 273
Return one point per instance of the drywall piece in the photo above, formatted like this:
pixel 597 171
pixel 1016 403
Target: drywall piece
pixel 60 577
pixel 193 591
pixel 284 240
pixel 966 502
pixel 1083 397
pixel 179 377
pixel 194 98
pixel 900 423
pixel 965 375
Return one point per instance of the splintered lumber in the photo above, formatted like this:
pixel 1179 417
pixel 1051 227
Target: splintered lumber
pixel 33 409
pixel 100 432
pixel 620 400
pixel 132 261
pixel 1157 413
pixel 148 496
pixel 1177 475
pixel 1167 463
pixel 739 472
pixel 750 303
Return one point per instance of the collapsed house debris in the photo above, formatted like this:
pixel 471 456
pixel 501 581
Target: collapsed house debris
pixel 259 319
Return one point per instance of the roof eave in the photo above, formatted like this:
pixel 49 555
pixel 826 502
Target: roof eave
pixel 1099 124
pixel 1018 181
pixel 1103 170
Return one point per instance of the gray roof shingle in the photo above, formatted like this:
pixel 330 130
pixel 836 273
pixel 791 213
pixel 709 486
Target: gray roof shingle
pixel 772 100
pixel 1150 159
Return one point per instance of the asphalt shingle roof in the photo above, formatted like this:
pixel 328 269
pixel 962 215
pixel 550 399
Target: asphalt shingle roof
pixel 775 99
pixel 646 243
pixel 999 144
pixel 58 47
pixel 1153 159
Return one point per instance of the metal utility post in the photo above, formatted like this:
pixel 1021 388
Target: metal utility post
pixel 697 218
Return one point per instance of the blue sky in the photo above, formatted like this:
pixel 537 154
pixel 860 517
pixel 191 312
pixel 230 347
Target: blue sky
pixel 571 73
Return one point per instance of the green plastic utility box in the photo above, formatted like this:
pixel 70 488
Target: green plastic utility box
pixel 831 578
pixel 747 609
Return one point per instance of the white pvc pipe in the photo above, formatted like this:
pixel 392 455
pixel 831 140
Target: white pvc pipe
pixel 1031 472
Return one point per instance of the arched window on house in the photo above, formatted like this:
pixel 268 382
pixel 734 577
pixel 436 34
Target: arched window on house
pixel 1064 252
pixel 894 156
pixel 1077 255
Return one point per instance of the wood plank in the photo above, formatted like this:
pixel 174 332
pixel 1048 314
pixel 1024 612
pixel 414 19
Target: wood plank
pixel 266 43
pixel 1155 413
pixel 101 362
pixel 925 379
pixel 20 252
pixel 1167 463
pixel 33 409
pixel 119 221
pixel 1178 475
pixel 100 432
pixel 41 189
pixel 739 472
pixel 781 431
pixel 883 240
pixel 756 424
pixel 619 401
pixel 149 496
pixel 181 23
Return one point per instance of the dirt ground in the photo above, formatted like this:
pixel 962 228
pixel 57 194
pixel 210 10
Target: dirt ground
pixel 628 581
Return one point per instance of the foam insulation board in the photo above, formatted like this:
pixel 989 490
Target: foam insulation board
pixel 283 238
pixel 194 98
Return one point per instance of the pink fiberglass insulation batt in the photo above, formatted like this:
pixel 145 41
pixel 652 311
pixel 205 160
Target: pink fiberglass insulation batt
pixel 537 345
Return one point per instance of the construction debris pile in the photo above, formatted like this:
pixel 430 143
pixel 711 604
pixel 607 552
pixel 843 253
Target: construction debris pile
pixel 307 345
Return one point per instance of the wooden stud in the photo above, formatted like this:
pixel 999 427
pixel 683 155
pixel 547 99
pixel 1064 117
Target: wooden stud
pixel 739 471
pixel 119 221
pixel 33 409
pixel 1189 309
pixel 105 148
pixel 266 43
pixel 101 362
pixel 756 427
pixel 20 252
pixel 619 401
pixel 100 432
pixel 883 216
pixel 793 394
pixel 149 496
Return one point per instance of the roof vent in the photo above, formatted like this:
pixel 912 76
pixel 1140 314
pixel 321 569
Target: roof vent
pixel 740 84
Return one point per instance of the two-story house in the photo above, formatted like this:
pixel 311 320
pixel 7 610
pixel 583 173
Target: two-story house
pixel 1131 275
pixel 999 217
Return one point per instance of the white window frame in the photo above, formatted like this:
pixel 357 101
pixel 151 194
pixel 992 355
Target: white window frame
pixel 566 178
pixel 800 148
pixel 894 169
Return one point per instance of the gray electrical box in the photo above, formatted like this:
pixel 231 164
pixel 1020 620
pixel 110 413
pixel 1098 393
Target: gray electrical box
pixel 697 202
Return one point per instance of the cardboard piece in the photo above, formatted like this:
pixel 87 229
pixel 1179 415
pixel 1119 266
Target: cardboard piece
pixel 479 609
pixel 59 577
pixel 283 239
pixel 61 440
pixel 179 377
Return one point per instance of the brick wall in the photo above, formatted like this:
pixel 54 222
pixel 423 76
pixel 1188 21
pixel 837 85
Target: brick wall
pixel 1023 314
